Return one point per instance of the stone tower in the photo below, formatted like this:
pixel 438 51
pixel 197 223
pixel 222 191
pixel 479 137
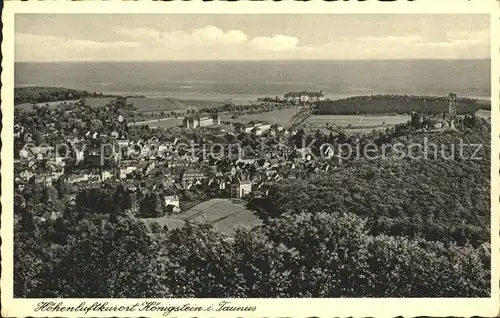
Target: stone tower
pixel 452 105
pixel 452 109
pixel 216 119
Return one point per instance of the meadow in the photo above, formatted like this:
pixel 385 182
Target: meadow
pixel 224 214
pixel 283 116
pixel 354 122
pixel 486 114
pixel 163 123
pixel 28 106
pixel 158 104
pixel 154 104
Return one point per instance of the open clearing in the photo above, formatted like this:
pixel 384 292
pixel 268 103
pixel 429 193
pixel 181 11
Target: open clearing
pixel 28 106
pixel 282 116
pixel 486 114
pixel 224 214
pixel 158 104
pixel 153 104
pixel 163 123
pixel 355 122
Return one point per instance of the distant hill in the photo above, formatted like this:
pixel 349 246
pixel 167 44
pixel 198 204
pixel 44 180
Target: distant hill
pixel 396 104
pixel 24 97
pixel 38 94
pixel 156 104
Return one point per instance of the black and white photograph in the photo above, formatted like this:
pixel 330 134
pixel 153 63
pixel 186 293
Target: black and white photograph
pixel 238 156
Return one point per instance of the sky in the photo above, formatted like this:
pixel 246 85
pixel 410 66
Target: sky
pixel 122 37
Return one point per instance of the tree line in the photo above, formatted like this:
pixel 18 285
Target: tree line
pixel 38 94
pixel 326 254
pixel 396 104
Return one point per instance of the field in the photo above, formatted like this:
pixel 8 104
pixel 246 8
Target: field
pixel 155 104
pixel 28 106
pixel 158 104
pixel 486 114
pixel 161 123
pixel 354 122
pixel 282 116
pixel 224 214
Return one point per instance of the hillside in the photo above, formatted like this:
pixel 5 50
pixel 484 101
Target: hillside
pixel 436 198
pixel 38 94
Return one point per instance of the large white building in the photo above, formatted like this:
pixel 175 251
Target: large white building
pixel 256 127
pixel 240 189
pixel 194 122
pixel 304 97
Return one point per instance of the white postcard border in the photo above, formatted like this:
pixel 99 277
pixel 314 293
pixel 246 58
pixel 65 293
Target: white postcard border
pixel 265 307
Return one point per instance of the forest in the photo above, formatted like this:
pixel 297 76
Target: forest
pixel 372 228
pixel 323 254
pixel 396 104
pixel 38 94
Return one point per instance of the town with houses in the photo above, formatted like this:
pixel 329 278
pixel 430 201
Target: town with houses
pixel 168 168
pixel 263 154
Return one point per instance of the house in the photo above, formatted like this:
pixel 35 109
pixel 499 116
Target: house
pixel 171 200
pixel 130 187
pixel 78 178
pixel 304 97
pixel 26 175
pixel 52 216
pixel 240 188
pixel 304 153
pixel 95 178
pixel 106 174
pixel 172 209
pixel 124 171
pixel 329 152
pixel 56 172
pixel 276 129
pixel 192 174
pixel 438 125
pixel 205 121
pixel 256 127
pixel 36 152
pixel 214 129
pixel 18 130
pixel 258 131
pixel 43 178
pixel 262 125
pixel 122 143
pixel 243 128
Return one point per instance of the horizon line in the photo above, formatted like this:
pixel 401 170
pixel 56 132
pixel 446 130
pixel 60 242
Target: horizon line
pixel 256 60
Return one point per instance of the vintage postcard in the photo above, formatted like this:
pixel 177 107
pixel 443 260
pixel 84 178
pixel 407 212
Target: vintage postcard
pixel 250 159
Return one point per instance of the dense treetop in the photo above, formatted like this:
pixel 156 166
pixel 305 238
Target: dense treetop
pixel 38 94
pixel 396 104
